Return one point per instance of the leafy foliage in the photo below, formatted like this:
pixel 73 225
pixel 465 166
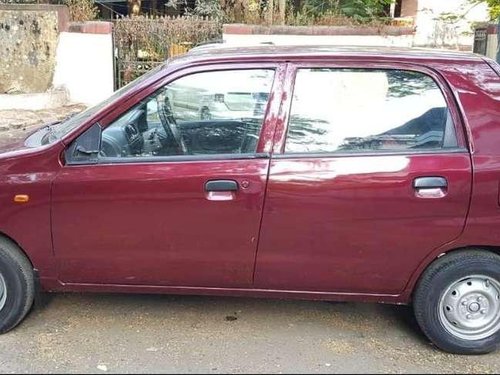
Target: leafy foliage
pixel 364 9
pixel 82 10
pixel 493 5
pixel 79 10
pixel 359 10
pixel 145 41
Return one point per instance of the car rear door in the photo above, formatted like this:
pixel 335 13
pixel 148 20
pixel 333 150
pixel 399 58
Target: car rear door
pixel 369 174
pixel 148 213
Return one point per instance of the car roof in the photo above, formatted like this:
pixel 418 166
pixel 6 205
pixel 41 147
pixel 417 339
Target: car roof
pixel 231 52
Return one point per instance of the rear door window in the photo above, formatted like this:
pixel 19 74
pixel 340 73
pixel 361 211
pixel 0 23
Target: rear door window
pixel 367 110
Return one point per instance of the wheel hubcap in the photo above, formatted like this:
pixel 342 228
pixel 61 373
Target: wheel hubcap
pixel 3 292
pixel 470 308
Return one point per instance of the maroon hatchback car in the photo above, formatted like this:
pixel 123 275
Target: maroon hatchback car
pixel 293 172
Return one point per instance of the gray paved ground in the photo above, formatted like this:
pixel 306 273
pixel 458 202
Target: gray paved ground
pixel 16 119
pixel 189 334
pixel 139 333
pixel 16 124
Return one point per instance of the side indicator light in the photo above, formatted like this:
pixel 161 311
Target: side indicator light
pixel 21 198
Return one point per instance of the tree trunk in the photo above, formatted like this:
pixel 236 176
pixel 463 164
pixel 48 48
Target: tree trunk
pixel 498 41
pixel 239 10
pixel 134 7
pixel 282 11
pixel 270 12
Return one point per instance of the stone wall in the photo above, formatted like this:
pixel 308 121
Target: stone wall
pixel 28 40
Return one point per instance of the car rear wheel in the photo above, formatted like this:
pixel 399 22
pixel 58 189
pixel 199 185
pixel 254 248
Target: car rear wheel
pixel 17 286
pixel 457 302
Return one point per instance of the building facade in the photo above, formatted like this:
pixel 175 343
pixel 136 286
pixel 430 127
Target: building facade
pixel 443 23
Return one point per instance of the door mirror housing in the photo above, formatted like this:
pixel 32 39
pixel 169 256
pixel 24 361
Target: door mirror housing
pixel 85 149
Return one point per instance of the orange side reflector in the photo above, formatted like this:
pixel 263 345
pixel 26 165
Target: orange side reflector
pixel 21 198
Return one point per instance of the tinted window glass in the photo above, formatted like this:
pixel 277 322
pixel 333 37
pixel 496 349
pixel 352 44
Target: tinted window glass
pixel 356 110
pixel 218 112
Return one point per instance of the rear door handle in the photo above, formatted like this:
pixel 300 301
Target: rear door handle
pixel 430 183
pixel 430 187
pixel 221 185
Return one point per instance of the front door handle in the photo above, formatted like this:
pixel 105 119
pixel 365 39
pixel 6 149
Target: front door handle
pixel 430 187
pixel 221 185
pixel 221 190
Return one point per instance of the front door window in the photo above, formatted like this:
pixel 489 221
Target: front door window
pixel 208 113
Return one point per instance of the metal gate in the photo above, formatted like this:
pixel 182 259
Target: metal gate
pixel 481 40
pixel 142 43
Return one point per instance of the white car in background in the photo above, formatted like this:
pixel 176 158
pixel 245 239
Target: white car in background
pixel 190 99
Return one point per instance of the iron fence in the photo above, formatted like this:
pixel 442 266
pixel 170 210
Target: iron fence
pixel 143 42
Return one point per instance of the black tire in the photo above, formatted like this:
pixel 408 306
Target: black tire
pixel 442 274
pixel 17 274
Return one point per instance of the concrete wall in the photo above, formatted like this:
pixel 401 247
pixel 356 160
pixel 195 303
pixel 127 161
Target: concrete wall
pixel 339 40
pixel 28 39
pixel 409 8
pixel 433 31
pixel 326 35
pixel 493 42
pixel 84 64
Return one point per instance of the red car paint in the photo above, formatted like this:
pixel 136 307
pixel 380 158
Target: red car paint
pixel 333 228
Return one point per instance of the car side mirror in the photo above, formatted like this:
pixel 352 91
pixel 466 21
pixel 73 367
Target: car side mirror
pixel 85 149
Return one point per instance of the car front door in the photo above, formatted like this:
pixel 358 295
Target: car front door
pixel 171 198
pixel 370 176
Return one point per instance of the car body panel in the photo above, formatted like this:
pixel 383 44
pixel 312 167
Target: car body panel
pixel 152 223
pixel 477 92
pixel 326 214
pixel 168 230
pixel 470 85
pixel 30 172
pixel 355 224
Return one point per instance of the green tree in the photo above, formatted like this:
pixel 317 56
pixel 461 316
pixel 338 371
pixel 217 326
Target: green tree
pixel 361 10
pixel 494 6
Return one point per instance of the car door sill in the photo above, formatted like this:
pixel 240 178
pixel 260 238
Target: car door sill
pixel 232 292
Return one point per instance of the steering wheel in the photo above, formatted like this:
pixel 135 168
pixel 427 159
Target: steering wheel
pixel 169 123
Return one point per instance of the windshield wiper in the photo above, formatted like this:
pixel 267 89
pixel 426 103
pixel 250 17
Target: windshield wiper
pixel 48 126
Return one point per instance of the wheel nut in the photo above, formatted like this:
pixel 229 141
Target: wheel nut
pixel 464 303
pixel 474 307
pixel 483 311
pixel 479 299
pixel 469 316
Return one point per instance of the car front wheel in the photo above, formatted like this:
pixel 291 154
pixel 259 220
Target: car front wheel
pixel 17 286
pixel 457 302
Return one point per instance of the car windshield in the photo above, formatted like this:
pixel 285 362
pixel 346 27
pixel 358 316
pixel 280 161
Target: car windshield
pixel 59 130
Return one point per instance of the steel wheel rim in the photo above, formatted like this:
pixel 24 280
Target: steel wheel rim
pixel 469 308
pixel 3 292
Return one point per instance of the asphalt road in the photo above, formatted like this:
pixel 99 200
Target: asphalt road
pixel 188 334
